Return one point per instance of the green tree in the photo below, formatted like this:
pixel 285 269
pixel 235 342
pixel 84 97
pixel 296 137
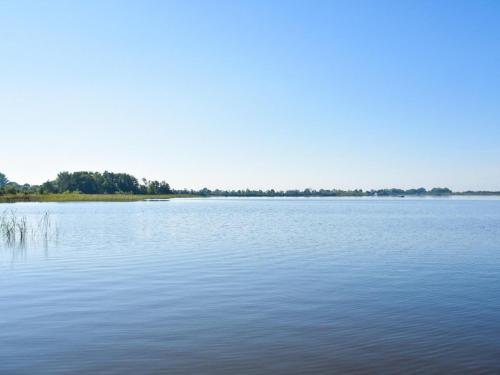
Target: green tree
pixel 3 179
pixel 48 187
pixel 164 188
pixel 440 191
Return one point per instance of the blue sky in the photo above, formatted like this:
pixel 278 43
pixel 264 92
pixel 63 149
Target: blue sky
pixel 257 94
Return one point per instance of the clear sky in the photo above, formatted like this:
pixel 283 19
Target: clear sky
pixel 257 94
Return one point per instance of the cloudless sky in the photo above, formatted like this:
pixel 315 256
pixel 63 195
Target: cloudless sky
pixel 257 94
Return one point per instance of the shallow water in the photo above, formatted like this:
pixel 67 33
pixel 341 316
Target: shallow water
pixel 255 286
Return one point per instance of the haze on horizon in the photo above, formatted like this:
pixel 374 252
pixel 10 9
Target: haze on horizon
pixel 253 94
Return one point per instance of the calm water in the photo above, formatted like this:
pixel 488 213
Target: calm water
pixel 255 286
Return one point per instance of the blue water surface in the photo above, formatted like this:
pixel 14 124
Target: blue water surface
pixel 254 286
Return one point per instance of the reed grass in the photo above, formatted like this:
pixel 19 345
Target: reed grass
pixel 73 197
pixel 16 229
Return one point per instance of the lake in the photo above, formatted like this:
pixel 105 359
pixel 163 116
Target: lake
pixel 255 286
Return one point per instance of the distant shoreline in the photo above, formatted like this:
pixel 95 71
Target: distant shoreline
pixel 123 187
pixel 76 197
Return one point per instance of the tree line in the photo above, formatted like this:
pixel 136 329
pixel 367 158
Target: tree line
pixel 89 183
pixel 315 193
pixel 86 182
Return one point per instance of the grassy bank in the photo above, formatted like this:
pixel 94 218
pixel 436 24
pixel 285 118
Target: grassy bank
pixel 10 198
